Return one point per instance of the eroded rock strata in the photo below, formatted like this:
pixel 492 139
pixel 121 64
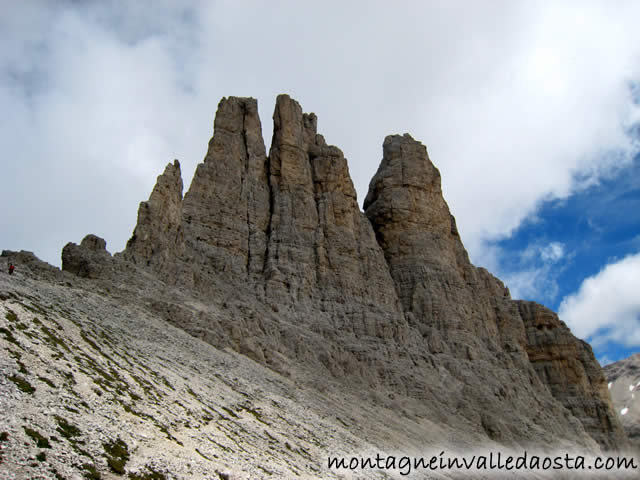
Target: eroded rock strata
pixel 279 263
pixel 568 367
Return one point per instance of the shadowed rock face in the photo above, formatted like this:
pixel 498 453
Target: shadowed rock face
pixel 227 208
pixel 384 301
pixel 90 259
pixel 568 367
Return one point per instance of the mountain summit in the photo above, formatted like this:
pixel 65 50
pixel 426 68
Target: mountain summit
pixel 269 255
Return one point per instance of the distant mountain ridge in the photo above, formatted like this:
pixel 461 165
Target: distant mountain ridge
pixel 623 379
pixel 271 256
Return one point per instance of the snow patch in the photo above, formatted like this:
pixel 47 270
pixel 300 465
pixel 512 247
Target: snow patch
pixel 631 387
pixel 609 386
pixel 624 411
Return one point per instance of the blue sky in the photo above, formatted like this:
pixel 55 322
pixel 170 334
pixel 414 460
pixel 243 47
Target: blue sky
pixel 528 109
pixel 569 240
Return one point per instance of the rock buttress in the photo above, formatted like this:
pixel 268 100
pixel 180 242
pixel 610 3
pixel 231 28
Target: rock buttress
pixel 227 208
pixel 463 314
pixel 158 236
pixel 90 259
pixel 568 367
pixel 452 302
pixel 321 246
pixel 286 230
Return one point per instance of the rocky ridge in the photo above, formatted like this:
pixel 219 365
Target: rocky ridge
pixel 623 379
pixel 569 368
pixel 272 257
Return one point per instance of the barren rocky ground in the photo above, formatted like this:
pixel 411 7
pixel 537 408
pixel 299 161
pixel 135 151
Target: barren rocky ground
pixel 97 388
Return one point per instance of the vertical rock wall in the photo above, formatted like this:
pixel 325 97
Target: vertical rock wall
pixel 158 236
pixel 568 367
pixel 389 300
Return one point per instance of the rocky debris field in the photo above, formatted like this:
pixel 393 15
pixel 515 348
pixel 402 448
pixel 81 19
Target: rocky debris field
pixel 94 389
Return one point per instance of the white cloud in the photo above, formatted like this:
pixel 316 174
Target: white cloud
pixel 531 274
pixel 532 283
pixel 512 99
pixel 552 252
pixel 606 307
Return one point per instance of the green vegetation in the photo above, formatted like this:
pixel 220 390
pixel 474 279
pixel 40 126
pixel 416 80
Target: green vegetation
pixel 52 339
pixel 164 430
pixel 150 475
pixel 23 368
pixel 117 454
pixel 11 315
pixel 22 384
pixel 47 381
pixel 56 474
pixel 4 436
pixel 68 376
pixel 202 455
pixel 8 336
pixel 230 412
pixel 35 308
pixel 15 355
pixel 192 393
pixel 22 326
pixel 90 472
pixel 255 413
pixel 65 429
pixel 40 440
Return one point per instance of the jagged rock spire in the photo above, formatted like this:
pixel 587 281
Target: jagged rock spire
pixel 411 218
pixel 316 224
pixel 388 300
pixel 227 207
pixel 158 235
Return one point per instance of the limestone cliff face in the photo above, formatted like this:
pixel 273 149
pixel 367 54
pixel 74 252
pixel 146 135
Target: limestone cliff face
pixel 568 367
pixel 463 314
pixel 444 295
pixel 90 259
pixel 321 246
pixel 386 302
pixel 227 208
pixel 158 236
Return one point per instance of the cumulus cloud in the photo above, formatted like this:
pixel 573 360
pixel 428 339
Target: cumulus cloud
pixel 517 102
pixel 606 308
